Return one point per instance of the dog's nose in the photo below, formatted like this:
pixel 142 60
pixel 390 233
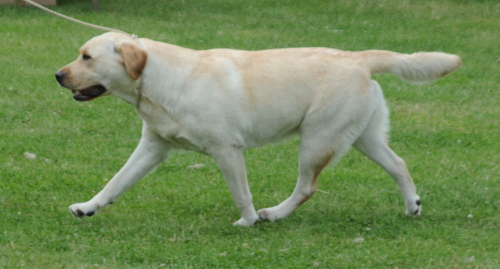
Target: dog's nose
pixel 60 76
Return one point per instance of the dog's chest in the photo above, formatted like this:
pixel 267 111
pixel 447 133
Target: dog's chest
pixel 168 127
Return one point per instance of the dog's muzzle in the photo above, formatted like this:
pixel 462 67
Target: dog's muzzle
pixel 86 94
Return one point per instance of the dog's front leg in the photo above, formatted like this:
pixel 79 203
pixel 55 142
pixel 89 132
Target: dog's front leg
pixel 151 151
pixel 232 164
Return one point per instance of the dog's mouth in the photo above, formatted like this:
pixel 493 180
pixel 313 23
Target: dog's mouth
pixel 89 93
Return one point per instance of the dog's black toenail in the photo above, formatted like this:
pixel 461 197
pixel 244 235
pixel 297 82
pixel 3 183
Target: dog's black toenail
pixel 89 214
pixel 79 213
pixel 418 202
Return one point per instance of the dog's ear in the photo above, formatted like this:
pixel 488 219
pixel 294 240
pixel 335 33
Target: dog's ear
pixel 134 58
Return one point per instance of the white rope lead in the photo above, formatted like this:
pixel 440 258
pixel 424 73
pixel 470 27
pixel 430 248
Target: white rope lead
pixel 77 21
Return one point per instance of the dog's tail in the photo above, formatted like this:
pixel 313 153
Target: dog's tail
pixel 418 67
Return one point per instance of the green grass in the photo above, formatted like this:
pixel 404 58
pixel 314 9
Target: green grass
pixel 448 133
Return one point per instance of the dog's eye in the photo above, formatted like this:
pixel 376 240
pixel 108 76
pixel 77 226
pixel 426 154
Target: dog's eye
pixel 86 57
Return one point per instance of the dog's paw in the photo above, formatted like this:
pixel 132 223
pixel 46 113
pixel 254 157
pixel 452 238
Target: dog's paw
pixel 245 223
pixel 414 208
pixel 264 215
pixel 270 214
pixel 83 210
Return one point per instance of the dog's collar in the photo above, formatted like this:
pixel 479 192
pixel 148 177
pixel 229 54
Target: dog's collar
pixel 139 87
pixel 139 92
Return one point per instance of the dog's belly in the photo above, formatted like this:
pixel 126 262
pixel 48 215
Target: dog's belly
pixel 271 133
pixel 206 135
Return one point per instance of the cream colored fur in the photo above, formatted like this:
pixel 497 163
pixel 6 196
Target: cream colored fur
pixel 221 102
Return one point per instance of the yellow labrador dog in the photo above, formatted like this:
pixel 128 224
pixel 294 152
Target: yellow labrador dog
pixel 221 102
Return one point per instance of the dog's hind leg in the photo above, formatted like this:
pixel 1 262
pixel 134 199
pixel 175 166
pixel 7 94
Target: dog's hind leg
pixel 373 143
pixel 316 152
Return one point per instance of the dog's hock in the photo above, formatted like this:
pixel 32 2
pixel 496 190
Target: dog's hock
pixel 134 58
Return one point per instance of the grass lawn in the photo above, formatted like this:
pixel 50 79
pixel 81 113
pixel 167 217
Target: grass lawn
pixel 448 132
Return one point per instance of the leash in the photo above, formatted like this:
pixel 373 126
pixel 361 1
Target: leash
pixel 77 21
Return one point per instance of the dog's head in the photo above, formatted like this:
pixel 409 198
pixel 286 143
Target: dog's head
pixel 109 63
